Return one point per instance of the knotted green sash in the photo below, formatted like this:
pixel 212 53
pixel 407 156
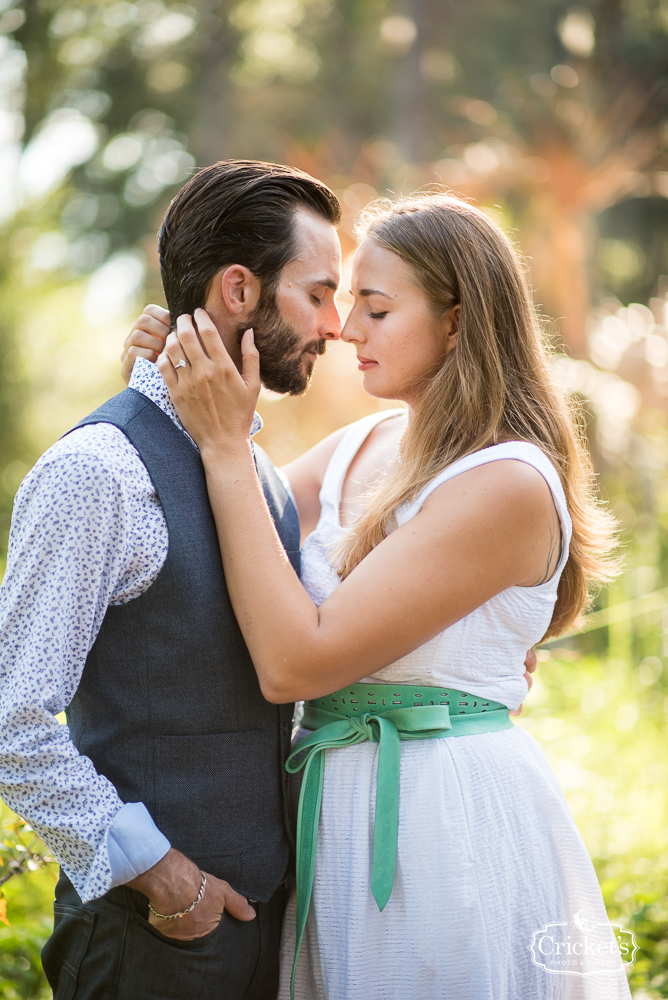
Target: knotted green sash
pixel 385 715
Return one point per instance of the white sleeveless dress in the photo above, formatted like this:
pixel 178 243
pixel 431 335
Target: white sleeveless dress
pixel 488 850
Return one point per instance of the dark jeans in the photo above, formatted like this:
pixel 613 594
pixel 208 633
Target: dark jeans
pixel 107 950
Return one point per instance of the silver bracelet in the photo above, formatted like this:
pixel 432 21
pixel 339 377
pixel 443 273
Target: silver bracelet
pixel 175 916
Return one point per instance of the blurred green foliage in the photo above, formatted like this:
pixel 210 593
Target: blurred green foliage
pixel 603 727
pixel 25 917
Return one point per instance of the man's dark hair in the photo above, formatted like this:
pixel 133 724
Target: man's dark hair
pixel 235 212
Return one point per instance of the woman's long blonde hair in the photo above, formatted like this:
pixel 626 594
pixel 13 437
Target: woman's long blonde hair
pixel 495 385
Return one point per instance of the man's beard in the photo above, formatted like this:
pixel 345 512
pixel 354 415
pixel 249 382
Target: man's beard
pixel 282 367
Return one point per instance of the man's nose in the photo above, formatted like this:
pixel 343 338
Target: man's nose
pixel 332 327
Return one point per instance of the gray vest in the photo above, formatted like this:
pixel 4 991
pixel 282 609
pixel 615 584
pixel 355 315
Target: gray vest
pixel 169 708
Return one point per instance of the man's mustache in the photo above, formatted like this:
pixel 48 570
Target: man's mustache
pixel 315 347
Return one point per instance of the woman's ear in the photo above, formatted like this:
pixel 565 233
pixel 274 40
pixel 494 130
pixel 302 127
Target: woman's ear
pixel 238 289
pixel 451 328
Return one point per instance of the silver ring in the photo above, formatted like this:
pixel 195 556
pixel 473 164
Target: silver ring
pixel 181 363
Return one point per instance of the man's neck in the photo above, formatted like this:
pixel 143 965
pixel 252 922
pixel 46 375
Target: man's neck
pixel 146 378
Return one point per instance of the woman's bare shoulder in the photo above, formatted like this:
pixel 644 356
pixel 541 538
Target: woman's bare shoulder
pixel 501 512
pixel 314 462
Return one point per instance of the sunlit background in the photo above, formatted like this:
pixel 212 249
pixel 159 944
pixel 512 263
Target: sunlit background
pixel 553 118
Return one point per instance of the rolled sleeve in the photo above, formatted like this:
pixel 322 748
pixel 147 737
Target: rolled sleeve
pixel 134 843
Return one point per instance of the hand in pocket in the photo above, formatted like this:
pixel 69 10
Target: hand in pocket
pixel 218 897
pixel 174 883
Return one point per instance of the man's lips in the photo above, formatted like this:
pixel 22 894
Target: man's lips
pixel 365 364
pixel 316 351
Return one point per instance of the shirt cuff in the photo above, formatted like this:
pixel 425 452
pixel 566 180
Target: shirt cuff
pixel 134 843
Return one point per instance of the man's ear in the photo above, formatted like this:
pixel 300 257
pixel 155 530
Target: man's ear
pixel 239 289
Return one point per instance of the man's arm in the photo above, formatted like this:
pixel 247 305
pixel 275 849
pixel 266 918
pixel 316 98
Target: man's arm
pixel 71 554
pixel 69 548
pixel 531 662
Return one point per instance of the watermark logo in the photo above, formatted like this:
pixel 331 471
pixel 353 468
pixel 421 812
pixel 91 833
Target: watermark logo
pixel 582 946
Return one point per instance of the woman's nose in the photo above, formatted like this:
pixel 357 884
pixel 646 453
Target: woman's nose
pixel 351 331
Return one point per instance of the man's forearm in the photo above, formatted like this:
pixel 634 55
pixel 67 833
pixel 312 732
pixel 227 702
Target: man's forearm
pixel 172 884
pixel 42 776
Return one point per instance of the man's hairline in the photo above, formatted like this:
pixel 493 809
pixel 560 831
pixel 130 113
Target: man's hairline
pixel 319 216
pixel 272 282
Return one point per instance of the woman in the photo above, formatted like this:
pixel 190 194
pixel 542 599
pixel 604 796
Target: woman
pixel 481 538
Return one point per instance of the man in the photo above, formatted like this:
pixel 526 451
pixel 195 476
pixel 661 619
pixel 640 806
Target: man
pixel 164 797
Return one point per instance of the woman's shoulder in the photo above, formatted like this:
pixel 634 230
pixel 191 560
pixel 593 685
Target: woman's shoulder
pixel 307 473
pixel 363 427
pixel 512 461
pixel 317 458
pixel 504 474
pixel 519 469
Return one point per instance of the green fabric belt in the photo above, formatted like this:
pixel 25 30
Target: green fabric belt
pixel 383 714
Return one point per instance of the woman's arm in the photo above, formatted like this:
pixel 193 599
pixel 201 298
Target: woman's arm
pixel 306 474
pixel 146 339
pixel 475 536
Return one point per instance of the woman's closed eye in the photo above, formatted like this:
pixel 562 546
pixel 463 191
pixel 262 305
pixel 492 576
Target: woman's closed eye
pixel 379 315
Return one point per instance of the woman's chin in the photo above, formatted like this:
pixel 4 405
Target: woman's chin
pixel 375 385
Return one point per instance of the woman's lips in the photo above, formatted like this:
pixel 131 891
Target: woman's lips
pixel 365 364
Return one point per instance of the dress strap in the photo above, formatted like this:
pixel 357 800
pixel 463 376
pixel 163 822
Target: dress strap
pixel 522 451
pixel 351 442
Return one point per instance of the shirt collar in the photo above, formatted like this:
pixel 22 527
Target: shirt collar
pixel 146 378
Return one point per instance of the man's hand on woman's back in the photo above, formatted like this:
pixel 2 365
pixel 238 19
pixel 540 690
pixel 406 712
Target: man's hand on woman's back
pixel 530 663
